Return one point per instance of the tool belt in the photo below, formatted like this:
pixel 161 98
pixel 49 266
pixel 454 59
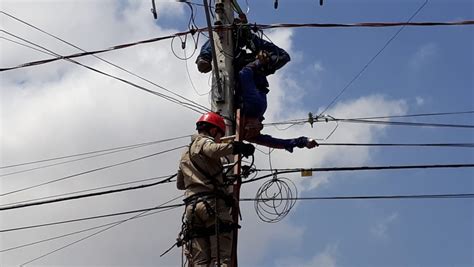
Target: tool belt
pixel 204 196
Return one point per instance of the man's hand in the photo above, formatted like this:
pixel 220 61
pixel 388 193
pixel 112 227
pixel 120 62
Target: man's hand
pixel 243 148
pixel 263 57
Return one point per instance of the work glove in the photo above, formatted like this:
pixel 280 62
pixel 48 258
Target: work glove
pixel 305 142
pixel 263 57
pixel 243 148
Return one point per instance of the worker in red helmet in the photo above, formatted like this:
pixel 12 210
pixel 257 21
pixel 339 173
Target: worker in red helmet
pixel 208 200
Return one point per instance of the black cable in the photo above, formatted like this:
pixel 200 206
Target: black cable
pixel 96 151
pixel 90 218
pixel 403 123
pixel 167 180
pixel 437 196
pixel 192 105
pixel 466 145
pixel 329 118
pixel 90 171
pixel 363 168
pixel 85 190
pixel 259 26
pixel 101 231
pixel 80 231
pixel 372 59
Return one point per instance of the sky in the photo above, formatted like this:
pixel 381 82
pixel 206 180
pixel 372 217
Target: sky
pixel 59 109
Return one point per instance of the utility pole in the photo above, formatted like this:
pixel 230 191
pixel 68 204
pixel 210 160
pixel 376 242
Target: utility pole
pixel 223 90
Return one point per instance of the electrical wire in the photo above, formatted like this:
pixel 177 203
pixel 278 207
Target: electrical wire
pixel 87 229
pixel 402 123
pixel 97 57
pixel 457 145
pixel 362 168
pixel 328 117
pixel 434 196
pixel 426 196
pixel 69 161
pixel 191 105
pixel 86 190
pixel 18 206
pixel 89 218
pixel 98 232
pixel 275 198
pixel 372 60
pixel 90 171
pixel 258 26
pixel 96 151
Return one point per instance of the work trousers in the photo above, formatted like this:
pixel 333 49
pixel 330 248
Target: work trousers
pixel 202 251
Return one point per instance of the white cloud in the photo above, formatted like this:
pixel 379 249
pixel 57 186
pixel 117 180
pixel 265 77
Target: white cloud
pixel 60 109
pixel 326 258
pixel 380 229
pixel 419 101
pixel 424 55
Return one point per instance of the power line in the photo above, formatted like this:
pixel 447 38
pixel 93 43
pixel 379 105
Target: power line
pixel 99 58
pixel 372 60
pixel 466 145
pixel 467 195
pixel 96 151
pixel 425 196
pixel 90 218
pixel 371 120
pixel 402 123
pixel 167 180
pixel 192 105
pixel 258 26
pixel 78 232
pixel 90 171
pixel 141 214
pixel 363 168
pixel 358 25
pixel 79 159
pixel 86 190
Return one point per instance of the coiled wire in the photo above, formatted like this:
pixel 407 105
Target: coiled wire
pixel 275 198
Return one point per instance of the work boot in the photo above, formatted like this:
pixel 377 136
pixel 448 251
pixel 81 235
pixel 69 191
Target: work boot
pixel 203 65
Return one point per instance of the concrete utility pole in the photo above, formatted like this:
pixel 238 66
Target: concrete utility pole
pixel 223 89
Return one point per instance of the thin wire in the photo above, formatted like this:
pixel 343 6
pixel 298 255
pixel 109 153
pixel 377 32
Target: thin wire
pixel 372 59
pixel 97 57
pixel 84 230
pixel 192 105
pixel 457 145
pixel 401 123
pixel 96 233
pixel 86 190
pixel 96 151
pixel 90 171
pixel 259 26
pixel 363 168
pixel 435 196
pixel 25 45
pixel 89 218
pixel 38 203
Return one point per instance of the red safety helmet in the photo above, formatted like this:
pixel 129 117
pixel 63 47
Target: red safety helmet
pixel 213 119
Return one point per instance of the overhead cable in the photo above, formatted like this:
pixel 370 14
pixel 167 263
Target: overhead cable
pixel 328 118
pixel 190 105
pixel 141 214
pixel 436 196
pixel 99 58
pixel 85 190
pixel 363 168
pixel 91 218
pixel 258 26
pixel 424 196
pixel 457 145
pixel 90 171
pixel 97 151
pixel 167 180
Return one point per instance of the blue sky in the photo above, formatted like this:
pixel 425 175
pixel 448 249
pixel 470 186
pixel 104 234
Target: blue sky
pixel 60 109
